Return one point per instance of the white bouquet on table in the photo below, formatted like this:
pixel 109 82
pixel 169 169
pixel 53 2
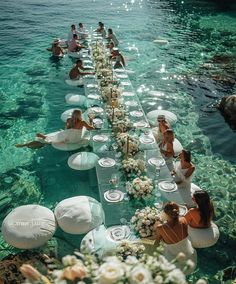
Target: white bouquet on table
pixel 141 187
pixel 104 72
pixel 109 91
pixel 115 113
pixel 133 167
pixel 128 144
pixel 127 248
pixel 122 125
pixel 144 220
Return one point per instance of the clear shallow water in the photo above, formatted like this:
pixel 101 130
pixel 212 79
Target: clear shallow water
pixel 170 77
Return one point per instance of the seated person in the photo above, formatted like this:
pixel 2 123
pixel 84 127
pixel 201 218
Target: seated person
pixel 74 45
pixel 166 148
pixel 78 71
pixel 112 37
pixel 183 170
pixel 174 234
pixel 56 49
pixel 199 219
pixel 158 131
pixel 72 133
pixel 118 57
pixel 72 32
pixel 101 29
pixel 82 32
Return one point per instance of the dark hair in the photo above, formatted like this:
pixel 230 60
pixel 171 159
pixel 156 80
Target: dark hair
pixel 205 206
pixel 172 210
pixel 72 26
pixel 75 35
pixel 80 24
pixel 79 61
pixel 110 31
pixel 187 155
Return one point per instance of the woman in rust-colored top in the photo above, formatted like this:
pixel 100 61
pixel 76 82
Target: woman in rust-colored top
pixel 174 234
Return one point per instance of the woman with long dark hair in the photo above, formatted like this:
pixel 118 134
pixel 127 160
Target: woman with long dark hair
pixel 174 234
pixel 202 231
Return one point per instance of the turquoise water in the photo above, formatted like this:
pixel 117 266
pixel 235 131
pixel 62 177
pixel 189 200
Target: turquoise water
pixel 171 77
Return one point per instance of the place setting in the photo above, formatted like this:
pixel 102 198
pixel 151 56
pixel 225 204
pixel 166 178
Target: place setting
pixel 100 138
pixel 136 113
pixel 114 194
pixel 106 162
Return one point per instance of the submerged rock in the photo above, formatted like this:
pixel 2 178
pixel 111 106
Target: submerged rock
pixel 227 106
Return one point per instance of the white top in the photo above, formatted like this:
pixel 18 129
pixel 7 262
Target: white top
pixel 114 39
pixel 180 176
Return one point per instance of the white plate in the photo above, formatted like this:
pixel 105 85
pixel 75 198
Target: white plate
pixel 106 162
pixel 97 109
pixel 131 103
pixel 88 61
pixel 136 113
pixel 88 66
pixel 122 76
pixel 118 233
pixel 125 83
pixel 158 162
pixel 100 138
pixel 93 97
pixel 182 210
pixel 114 195
pixel 92 86
pixel 167 186
pixel 141 124
pixel 97 122
pixel 128 94
pixel 146 139
pixel 120 70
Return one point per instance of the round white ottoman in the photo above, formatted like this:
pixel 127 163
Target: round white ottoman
pixel 152 116
pixel 28 226
pixel 79 214
pixel 82 161
pixel 75 99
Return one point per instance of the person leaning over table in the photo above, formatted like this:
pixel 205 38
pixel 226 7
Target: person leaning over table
pixel 78 71
pixel 173 232
pixel 167 148
pixel 202 231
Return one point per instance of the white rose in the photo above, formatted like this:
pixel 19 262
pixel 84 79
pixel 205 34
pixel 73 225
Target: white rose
pixel 140 275
pixel 69 260
pixel 110 272
pixel 158 279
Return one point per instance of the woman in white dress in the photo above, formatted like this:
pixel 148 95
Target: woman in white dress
pixel 112 37
pixel 202 231
pixel 182 175
pixel 158 131
pixel 174 234
pixel 74 133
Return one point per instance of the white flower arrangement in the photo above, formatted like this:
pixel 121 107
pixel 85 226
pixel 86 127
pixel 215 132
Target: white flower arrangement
pixel 126 249
pixel 133 167
pixel 122 125
pixel 141 187
pixel 144 220
pixel 123 139
pixel 111 270
pixel 115 113
pixel 110 91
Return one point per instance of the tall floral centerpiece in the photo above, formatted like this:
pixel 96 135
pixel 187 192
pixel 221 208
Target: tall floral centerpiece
pixel 128 144
pixel 132 167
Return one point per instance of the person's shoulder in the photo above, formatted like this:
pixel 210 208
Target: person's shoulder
pixel 183 221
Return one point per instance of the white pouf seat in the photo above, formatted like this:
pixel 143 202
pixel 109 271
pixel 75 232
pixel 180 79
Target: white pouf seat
pixel 204 238
pixel 28 226
pixel 82 161
pixel 75 99
pixel 170 117
pixel 79 214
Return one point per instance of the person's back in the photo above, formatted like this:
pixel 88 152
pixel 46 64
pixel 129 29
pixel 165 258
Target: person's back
pixel 73 46
pixel 173 233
